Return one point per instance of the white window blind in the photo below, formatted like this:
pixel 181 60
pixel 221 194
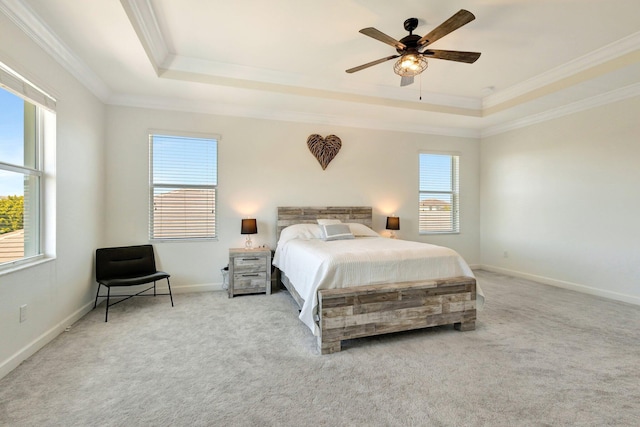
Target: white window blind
pixel 439 194
pixel 184 180
pixel 14 82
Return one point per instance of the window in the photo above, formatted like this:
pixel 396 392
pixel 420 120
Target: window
pixel 24 112
pixel 184 179
pixel 439 194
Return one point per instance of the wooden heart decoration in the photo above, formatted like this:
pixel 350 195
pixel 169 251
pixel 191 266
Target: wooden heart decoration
pixel 324 149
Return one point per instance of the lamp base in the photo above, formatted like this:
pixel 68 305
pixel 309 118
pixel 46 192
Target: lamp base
pixel 248 244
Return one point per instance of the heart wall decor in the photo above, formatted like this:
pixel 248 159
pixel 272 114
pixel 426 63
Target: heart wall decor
pixel 324 149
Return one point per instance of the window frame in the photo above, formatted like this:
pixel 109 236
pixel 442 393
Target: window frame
pixel 153 186
pixel 44 117
pixel 454 193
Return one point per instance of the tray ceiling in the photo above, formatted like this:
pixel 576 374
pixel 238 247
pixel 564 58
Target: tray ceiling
pixel 286 59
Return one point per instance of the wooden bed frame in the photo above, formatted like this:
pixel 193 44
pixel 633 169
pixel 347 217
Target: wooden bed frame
pixel 368 310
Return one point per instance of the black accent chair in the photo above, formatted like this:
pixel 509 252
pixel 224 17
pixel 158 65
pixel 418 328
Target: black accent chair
pixel 127 266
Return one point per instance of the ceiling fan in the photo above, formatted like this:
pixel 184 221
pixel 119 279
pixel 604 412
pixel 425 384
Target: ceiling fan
pixel 412 49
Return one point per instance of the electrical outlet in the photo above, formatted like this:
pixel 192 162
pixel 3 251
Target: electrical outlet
pixel 506 254
pixel 23 313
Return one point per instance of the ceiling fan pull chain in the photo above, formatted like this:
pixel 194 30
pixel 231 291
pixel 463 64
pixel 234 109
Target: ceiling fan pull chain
pixel 420 77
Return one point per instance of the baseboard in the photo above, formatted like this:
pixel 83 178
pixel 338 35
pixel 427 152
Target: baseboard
pixel 562 284
pixel 48 336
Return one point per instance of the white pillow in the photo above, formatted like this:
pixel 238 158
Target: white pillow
pixel 361 230
pixel 336 232
pixel 300 231
pixel 328 221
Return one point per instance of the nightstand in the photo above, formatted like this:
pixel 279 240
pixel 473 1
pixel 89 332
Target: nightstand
pixel 249 271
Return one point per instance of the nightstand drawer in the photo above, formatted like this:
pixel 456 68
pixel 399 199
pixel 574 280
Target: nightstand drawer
pixel 250 263
pixel 250 280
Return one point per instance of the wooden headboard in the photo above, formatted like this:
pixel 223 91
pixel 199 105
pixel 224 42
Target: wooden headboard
pixel 290 215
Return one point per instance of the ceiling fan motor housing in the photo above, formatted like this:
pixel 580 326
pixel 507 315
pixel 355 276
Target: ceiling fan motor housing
pixel 411 42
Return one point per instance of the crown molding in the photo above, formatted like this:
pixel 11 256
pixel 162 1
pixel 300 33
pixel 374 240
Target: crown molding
pixel 26 19
pixel 144 21
pixel 575 107
pixel 188 106
pixel 599 56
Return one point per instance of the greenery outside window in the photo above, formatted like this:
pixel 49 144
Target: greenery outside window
pixel 439 198
pixel 23 108
pixel 183 184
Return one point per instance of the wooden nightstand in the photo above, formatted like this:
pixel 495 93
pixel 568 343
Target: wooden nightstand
pixel 249 271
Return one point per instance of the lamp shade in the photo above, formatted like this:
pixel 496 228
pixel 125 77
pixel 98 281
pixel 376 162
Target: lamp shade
pixel 249 226
pixel 393 223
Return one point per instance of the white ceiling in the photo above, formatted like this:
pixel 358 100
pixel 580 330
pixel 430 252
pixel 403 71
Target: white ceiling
pixel 286 59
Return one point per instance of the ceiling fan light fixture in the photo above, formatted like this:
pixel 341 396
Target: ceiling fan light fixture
pixel 410 65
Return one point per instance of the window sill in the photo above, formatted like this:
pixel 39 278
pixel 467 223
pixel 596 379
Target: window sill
pixel 9 269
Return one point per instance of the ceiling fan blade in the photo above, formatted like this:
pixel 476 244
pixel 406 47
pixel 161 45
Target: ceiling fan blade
pixel 379 35
pixel 453 55
pixel 370 64
pixel 406 80
pixel 461 18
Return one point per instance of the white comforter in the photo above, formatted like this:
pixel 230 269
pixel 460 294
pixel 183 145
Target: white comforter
pixel 317 264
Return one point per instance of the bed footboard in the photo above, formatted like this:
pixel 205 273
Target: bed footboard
pixel 364 311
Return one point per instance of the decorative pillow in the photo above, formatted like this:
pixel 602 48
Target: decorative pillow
pixel 300 231
pixel 328 221
pixel 336 232
pixel 361 230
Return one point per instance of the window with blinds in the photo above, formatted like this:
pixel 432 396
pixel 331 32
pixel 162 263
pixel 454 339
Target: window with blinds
pixel 27 124
pixel 184 179
pixel 439 198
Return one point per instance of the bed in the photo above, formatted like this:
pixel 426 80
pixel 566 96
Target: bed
pixel 366 285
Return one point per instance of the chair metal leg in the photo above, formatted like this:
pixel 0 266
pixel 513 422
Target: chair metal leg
pixel 95 303
pixel 170 295
pixel 106 312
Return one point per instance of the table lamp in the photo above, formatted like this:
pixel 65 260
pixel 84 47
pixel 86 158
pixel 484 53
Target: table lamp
pixel 249 227
pixel 393 224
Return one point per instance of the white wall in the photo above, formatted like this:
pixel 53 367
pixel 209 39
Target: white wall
pixel 562 198
pixel 59 291
pixel 264 164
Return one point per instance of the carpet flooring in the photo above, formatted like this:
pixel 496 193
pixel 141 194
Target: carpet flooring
pixel 540 356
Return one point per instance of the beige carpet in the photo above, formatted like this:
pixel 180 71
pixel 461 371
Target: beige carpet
pixel 540 356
